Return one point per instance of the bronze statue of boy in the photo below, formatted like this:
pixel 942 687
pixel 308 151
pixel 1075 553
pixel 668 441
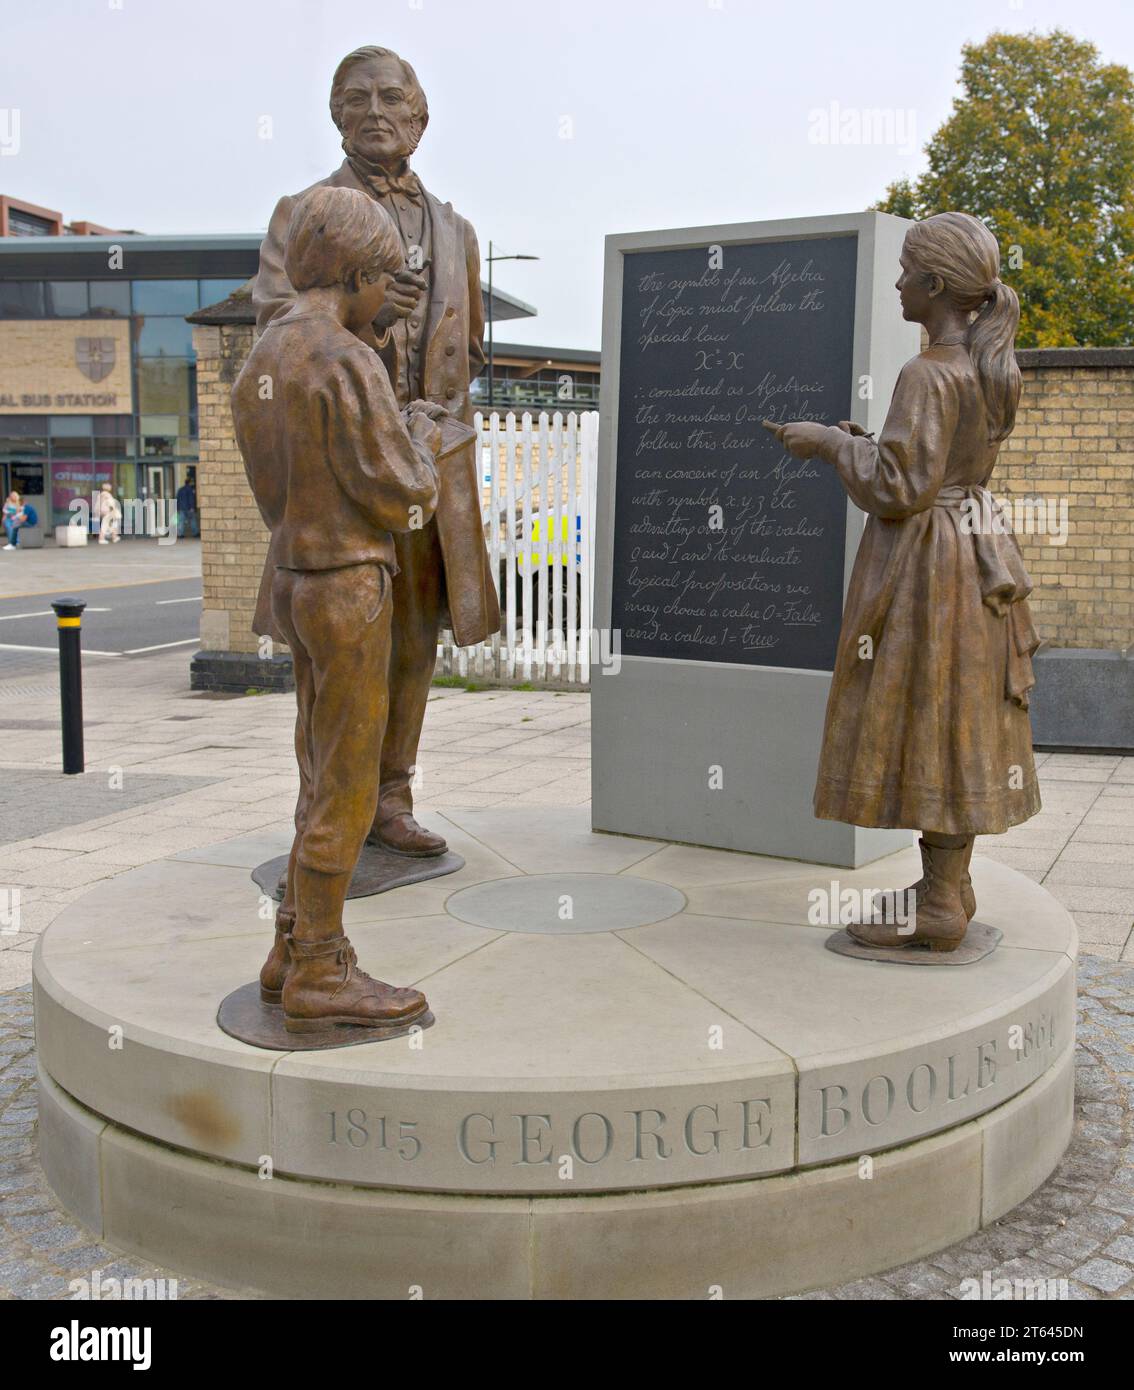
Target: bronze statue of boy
pixel 336 469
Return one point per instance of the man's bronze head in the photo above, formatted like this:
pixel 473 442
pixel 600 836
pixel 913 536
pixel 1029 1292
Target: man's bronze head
pixel 379 106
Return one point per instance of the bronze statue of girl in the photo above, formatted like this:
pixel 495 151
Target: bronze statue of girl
pixel 927 720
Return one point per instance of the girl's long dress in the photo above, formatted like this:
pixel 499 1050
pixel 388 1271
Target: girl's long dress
pixel 927 723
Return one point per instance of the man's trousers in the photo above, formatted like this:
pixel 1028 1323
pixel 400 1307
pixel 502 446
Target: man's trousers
pixel 419 595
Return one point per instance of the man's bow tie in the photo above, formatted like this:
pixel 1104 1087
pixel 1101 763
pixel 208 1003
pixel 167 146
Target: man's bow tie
pixel 384 185
pixel 407 184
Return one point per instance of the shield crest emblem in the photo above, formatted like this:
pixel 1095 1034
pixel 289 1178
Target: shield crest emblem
pixel 94 357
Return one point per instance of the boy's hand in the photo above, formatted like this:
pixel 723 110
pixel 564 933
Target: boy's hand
pixel 430 408
pixel 423 429
pixel 404 290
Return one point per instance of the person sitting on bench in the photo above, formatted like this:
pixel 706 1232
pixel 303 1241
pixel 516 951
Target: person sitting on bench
pixel 17 514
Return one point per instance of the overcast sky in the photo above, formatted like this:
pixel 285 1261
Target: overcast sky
pixel 551 124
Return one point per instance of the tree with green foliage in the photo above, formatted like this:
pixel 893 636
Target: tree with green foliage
pixel 1040 146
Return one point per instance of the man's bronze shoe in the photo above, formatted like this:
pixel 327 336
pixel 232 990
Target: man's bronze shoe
pixel 325 986
pixel 403 835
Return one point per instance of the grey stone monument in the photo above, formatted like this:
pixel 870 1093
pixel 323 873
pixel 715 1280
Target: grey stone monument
pixel 721 562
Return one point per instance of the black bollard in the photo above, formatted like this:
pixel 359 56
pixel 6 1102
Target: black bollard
pixel 68 613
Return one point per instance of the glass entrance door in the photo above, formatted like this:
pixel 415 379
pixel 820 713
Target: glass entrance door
pixel 159 499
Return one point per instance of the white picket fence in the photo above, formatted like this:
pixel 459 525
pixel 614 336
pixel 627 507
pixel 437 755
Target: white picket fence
pixel 538 507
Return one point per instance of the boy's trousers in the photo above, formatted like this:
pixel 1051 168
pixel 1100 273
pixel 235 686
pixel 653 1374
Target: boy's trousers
pixel 337 624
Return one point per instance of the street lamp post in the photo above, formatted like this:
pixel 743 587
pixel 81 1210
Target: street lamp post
pixel 491 355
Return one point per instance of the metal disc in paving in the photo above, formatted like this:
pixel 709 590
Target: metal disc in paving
pixel 565 903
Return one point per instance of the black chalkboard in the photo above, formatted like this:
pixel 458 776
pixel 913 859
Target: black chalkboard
pixel 725 547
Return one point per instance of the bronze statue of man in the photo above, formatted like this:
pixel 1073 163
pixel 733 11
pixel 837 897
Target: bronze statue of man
pixel 428 334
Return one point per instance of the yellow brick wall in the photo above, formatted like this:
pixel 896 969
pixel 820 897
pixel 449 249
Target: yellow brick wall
pixel 1074 439
pixel 234 539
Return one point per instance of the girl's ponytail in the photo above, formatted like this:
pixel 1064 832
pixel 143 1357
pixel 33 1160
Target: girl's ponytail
pixel 990 340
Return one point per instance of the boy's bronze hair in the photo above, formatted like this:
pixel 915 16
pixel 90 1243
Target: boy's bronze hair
pixel 335 232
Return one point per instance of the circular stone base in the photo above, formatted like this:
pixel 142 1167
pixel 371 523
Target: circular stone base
pixel 676 1070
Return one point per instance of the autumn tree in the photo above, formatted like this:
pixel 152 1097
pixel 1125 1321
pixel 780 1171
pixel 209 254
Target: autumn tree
pixel 1040 146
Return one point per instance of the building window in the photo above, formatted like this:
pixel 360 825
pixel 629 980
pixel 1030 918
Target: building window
pixel 165 296
pixel 110 299
pixel 164 388
pixel 67 299
pixel 159 434
pixel 213 291
pixel 73 480
pixel 28 224
pixel 164 337
pixel 21 299
pixel 115 448
pixel 26 477
pixel 23 434
pixel 193 409
pixel 113 435
pixel 70 436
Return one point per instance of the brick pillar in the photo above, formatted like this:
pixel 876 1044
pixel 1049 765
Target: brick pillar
pixel 234 540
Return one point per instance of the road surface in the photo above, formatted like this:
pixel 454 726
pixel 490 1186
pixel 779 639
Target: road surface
pixel 122 623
